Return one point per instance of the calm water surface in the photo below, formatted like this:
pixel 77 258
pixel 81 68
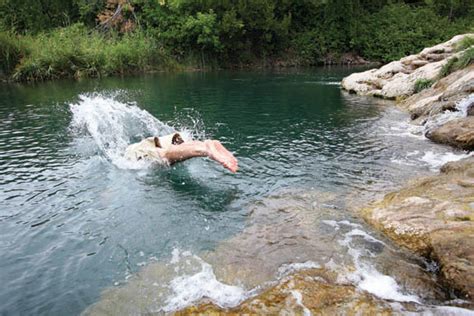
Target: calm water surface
pixel 74 220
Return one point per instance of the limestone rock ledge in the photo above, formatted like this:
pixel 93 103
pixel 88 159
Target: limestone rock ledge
pixel 435 217
pixel 397 79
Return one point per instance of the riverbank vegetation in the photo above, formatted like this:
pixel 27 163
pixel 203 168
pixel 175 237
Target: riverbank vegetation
pixel 50 39
pixel 75 51
pixel 456 63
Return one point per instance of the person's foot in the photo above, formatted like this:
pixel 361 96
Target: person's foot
pixel 220 154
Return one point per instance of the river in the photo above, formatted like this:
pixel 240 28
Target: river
pixel 77 219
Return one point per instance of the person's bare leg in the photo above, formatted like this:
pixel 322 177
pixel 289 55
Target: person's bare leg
pixel 209 148
pixel 217 152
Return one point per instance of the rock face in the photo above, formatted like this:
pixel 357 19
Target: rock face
pixel 435 217
pixel 458 133
pixel 397 79
pixel 446 109
pixel 443 95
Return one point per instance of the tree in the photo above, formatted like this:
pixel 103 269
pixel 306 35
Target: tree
pixel 27 16
pixel 202 31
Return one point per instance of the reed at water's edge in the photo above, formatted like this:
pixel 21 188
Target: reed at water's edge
pixel 78 52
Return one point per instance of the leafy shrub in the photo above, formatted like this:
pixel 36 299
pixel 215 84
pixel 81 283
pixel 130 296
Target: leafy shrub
pixel 309 46
pixel 26 16
pixel 220 33
pixel 399 30
pixel 447 68
pixel 422 84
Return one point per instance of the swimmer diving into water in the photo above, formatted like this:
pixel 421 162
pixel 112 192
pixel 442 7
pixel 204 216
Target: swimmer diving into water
pixel 172 148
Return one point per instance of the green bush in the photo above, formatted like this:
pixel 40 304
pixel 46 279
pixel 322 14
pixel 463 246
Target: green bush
pixel 30 17
pixel 466 59
pixel 422 84
pixel 447 68
pixel 309 46
pixel 399 30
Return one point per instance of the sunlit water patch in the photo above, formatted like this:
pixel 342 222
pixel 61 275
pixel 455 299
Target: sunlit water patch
pixel 76 218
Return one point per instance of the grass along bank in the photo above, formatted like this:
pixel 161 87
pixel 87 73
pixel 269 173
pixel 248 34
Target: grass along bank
pixel 78 52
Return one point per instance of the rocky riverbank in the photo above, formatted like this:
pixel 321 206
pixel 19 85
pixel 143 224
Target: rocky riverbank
pixel 434 216
pixel 436 86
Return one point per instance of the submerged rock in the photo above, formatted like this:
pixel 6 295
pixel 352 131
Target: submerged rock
pixel 470 109
pixel 435 217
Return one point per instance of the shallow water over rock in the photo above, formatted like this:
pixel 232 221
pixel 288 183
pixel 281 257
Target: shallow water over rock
pixel 260 268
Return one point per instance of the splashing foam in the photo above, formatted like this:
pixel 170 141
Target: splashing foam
pixel 189 289
pixel 442 118
pixel 114 125
pixel 366 276
pixel 406 129
pixel 436 160
pixel 299 301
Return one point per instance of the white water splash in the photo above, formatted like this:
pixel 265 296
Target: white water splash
pixel 404 129
pixel 366 277
pixel 114 125
pixel 287 269
pixel 299 301
pixel 442 118
pixel 325 83
pixel 432 159
pixel 436 160
pixel 448 311
pixel 191 288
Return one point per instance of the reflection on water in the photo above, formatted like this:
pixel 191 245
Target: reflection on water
pixel 74 221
